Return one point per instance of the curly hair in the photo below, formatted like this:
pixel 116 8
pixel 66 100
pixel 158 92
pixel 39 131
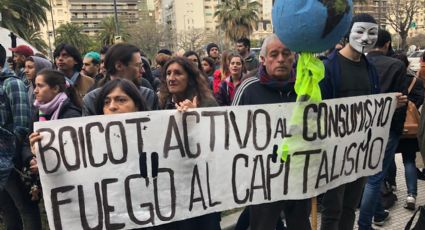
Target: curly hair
pixel 196 85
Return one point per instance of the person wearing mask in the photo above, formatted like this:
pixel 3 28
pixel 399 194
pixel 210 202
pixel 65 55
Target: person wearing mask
pixel 121 61
pixel 68 61
pixel 228 86
pixel 275 84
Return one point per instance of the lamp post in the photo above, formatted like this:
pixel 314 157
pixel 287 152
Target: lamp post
pixel 117 29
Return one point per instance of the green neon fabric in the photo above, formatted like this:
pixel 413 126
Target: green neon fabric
pixel 310 71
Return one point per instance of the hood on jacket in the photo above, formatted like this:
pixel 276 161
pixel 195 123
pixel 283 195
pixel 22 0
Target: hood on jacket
pixel 41 63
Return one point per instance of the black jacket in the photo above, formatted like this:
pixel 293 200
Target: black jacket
pixel 392 75
pixel 252 92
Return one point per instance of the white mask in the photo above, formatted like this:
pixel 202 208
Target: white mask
pixel 363 36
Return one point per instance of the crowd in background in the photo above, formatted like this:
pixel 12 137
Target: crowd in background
pixel 121 79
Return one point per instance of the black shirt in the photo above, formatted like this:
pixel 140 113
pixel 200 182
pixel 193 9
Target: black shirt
pixel 354 78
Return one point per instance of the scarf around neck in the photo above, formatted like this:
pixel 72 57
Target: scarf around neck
pixel 50 108
pixel 278 84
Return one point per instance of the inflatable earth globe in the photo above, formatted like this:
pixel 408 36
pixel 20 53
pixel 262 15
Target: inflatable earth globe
pixel 311 25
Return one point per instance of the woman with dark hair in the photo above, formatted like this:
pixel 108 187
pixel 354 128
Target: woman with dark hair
pixel 182 84
pixel 184 88
pixel 55 98
pixel 208 66
pixel 194 58
pixel 228 86
pixel 119 96
pixel 33 65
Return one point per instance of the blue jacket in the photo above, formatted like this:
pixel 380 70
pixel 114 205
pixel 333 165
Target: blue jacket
pixel 330 84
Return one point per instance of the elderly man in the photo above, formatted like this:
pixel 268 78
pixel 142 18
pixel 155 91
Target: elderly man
pixel 275 83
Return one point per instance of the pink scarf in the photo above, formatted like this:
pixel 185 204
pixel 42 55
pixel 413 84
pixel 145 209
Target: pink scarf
pixel 50 108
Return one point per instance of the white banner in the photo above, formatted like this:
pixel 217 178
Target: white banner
pixel 149 168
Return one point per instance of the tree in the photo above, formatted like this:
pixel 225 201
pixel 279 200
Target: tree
pixel 192 39
pixel 418 40
pixel 237 18
pixel 34 37
pixel 72 34
pixel 400 15
pixel 18 16
pixel 108 33
pixel 150 37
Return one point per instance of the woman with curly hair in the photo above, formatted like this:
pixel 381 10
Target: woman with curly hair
pixel 184 87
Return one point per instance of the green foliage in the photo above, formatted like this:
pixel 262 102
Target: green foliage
pixel 34 37
pixel 20 15
pixel 237 18
pixel 108 33
pixel 72 34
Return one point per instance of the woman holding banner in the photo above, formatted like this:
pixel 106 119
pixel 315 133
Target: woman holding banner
pixel 55 99
pixel 185 88
pixel 119 96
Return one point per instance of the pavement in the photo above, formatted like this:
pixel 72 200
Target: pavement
pixel 399 216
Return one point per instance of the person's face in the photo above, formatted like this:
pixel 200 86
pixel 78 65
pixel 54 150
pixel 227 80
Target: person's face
pixel 30 70
pixel 194 60
pixel 278 60
pixel 214 52
pixel 363 36
pixel 177 79
pixel 242 50
pixel 89 68
pixel 133 69
pixel 65 62
pixel 42 91
pixel 102 64
pixel 206 66
pixel 19 59
pixel 235 66
pixel 117 101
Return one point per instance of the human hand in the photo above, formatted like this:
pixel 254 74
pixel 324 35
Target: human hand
pixel 401 100
pixel 187 104
pixel 34 137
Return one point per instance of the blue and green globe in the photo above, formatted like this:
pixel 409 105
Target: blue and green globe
pixel 311 25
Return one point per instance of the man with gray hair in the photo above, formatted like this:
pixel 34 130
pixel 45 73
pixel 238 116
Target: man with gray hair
pixel 275 83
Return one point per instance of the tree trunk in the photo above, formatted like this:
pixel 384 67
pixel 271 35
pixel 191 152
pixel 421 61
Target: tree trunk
pixel 403 37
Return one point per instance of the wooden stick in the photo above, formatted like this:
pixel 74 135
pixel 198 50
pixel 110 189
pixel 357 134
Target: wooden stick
pixel 314 213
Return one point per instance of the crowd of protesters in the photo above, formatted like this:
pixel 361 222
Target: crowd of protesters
pixel 121 79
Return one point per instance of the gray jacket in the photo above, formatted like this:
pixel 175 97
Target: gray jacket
pixel 89 100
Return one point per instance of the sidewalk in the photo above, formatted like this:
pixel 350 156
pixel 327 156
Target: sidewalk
pixel 399 215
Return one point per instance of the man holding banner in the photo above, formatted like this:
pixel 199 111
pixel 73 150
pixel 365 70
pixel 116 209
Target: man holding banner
pixel 274 84
pixel 349 73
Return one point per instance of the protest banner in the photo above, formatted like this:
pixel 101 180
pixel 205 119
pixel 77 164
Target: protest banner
pixel 149 168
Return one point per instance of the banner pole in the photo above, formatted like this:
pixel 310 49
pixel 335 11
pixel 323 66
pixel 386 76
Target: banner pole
pixel 314 213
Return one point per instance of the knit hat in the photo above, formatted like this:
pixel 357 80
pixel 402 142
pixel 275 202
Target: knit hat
pixel 210 46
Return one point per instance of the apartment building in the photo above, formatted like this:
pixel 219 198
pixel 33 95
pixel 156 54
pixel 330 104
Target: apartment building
pixel 89 14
